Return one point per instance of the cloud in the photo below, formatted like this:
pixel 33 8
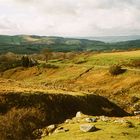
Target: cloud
pixel 7 25
pixel 70 17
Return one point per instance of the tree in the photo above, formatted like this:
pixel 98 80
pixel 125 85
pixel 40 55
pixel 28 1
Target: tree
pixel 47 53
pixel 25 61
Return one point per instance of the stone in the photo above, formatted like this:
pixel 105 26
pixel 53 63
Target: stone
pixel 104 118
pixel 90 120
pixel 51 128
pixel 136 112
pixel 44 133
pixel 124 123
pixel 79 114
pixel 119 121
pixel 48 130
pixel 61 130
pixel 87 128
pixel 67 121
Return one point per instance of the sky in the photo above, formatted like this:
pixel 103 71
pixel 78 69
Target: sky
pixel 70 17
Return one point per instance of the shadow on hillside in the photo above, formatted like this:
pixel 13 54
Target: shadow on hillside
pixel 59 107
pixel 123 71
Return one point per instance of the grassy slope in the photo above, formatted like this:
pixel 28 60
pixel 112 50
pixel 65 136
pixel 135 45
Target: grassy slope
pixel 108 131
pixel 105 59
pixel 84 78
pixel 67 79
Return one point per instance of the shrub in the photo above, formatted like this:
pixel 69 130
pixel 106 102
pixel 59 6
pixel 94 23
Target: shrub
pixel 28 62
pixel 18 124
pixel 116 69
pixel 25 61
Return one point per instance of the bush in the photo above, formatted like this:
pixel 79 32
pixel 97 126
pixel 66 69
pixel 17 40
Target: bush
pixel 28 62
pixel 18 124
pixel 25 61
pixel 116 70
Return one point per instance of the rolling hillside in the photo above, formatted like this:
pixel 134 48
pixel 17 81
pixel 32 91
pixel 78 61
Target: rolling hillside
pixel 114 38
pixel 53 92
pixel 34 44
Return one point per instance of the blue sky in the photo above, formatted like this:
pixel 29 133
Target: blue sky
pixel 70 17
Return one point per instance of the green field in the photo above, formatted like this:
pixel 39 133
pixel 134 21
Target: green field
pixel 101 59
pixel 107 130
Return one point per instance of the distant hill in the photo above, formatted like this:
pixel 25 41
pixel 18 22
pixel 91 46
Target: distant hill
pixel 34 44
pixel 111 39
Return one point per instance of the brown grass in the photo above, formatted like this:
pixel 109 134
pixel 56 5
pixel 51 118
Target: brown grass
pixel 18 124
pixel 22 113
pixel 97 81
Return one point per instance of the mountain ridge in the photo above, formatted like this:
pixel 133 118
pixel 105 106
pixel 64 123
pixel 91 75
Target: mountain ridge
pixel 34 44
pixel 111 39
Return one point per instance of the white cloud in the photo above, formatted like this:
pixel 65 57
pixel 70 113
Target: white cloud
pixel 70 17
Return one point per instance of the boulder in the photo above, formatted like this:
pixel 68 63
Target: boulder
pixel 79 114
pixel 104 118
pixel 137 112
pixel 51 128
pixel 120 121
pixel 44 133
pixel 48 130
pixel 87 128
pixel 90 120
pixel 67 121
pixel 61 130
